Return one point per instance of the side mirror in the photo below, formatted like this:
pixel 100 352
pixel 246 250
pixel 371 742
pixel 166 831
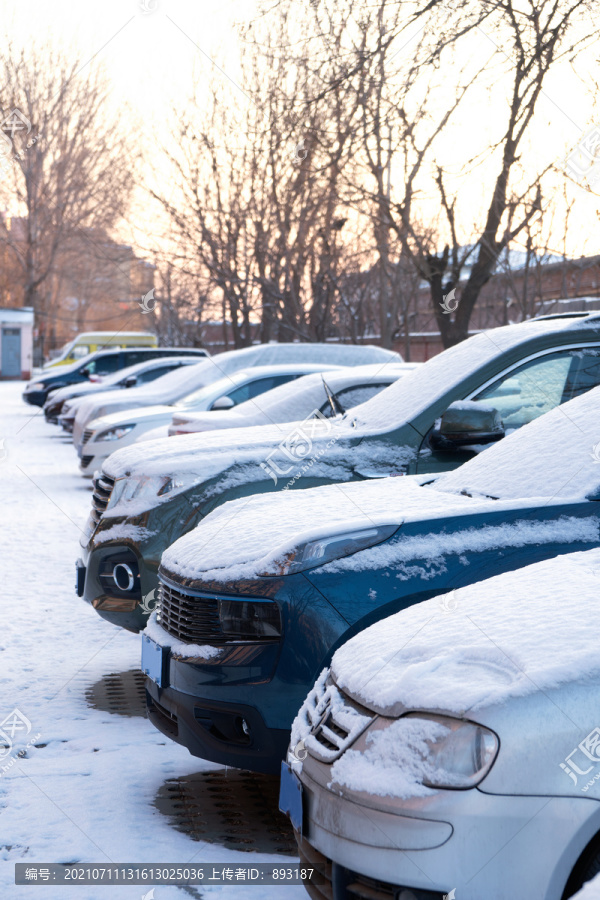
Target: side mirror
pixel 223 403
pixel 131 381
pixel 86 371
pixel 467 422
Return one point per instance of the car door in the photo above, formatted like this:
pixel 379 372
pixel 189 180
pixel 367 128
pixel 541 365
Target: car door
pixel 521 394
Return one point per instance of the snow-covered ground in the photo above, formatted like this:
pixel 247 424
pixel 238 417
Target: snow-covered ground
pixel 87 795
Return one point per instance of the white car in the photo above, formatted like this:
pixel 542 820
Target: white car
pixel 109 433
pixel 176 385
pixel 453 749
pixel 295 402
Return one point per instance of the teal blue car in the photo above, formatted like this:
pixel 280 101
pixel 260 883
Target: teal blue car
pixel 256 600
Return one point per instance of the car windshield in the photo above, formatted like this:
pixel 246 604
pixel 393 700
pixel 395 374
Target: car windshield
pixel 557 456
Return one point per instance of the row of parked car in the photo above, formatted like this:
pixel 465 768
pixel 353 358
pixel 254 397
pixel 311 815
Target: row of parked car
pixel 436 631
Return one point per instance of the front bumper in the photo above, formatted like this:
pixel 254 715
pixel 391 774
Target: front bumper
pixel 35 398
pixel 202 703
pixel 479 845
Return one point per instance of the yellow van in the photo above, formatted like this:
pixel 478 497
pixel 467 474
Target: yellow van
pixel 90 341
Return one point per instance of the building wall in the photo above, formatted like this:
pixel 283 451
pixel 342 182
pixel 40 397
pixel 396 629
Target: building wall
pixel 23 320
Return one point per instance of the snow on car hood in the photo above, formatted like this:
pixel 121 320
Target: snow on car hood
pixel 549 459
pixel 244 537
pixel 143 416
pixel 508 636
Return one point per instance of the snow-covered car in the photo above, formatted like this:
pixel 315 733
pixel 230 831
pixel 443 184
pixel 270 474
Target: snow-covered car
pixel 296 574
pixel 171 387
pixel 454 748
pixel 95 365
pixel 150 494
pixel 294 402
pixel 133 376
pixel 108 434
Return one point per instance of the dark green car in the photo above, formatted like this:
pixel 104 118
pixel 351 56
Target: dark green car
pixel 149 496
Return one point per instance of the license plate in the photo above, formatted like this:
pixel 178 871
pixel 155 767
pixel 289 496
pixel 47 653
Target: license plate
pixel 79 578
pixel 290 796
pixel 154 659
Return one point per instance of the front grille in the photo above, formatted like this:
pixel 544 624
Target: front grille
pixel 103 486
pixel 87 435
pixel 333 720
pixel 194 620
pixel 85 461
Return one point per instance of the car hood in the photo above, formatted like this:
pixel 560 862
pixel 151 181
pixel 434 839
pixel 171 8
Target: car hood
pixel 147 415
pixel 217 419
pixel 245 538
pixel 521 632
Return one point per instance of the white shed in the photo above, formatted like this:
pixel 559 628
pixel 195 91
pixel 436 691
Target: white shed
pixel 16 342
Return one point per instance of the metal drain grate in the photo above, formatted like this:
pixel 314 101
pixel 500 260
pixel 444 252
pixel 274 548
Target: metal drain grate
pixel 122 693
pixel 236 809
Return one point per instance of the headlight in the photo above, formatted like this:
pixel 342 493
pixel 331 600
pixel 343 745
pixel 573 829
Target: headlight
pixel 148 487
pixel 114 434
pixel 461 756
pixel 36 386
pixel 248 620
pixel 334 546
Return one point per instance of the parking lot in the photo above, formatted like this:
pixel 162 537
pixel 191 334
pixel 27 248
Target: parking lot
pixel 87 778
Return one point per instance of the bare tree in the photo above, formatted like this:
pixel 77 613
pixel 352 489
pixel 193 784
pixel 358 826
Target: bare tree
pixel 68 170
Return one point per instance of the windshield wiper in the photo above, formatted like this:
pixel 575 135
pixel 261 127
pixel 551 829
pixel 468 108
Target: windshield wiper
pixel 336 406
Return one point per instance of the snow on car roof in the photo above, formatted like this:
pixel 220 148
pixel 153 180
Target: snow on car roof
pixel 508 636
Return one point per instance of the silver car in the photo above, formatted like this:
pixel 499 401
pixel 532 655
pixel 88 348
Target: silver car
pixel 453 749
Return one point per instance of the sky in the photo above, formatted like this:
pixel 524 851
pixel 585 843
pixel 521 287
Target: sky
pixel 153 49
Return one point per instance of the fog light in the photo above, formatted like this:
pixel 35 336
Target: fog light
pixel 123 577
pixel 246 728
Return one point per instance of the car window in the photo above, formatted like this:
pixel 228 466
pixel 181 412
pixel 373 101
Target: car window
pixel 151 374
pixel 353 396
pixel 80 351
pixel 133 357
pixel 542 384
pixel 106 364
pixel 254 388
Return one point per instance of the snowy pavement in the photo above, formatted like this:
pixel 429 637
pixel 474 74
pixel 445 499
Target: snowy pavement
pixel 87 792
